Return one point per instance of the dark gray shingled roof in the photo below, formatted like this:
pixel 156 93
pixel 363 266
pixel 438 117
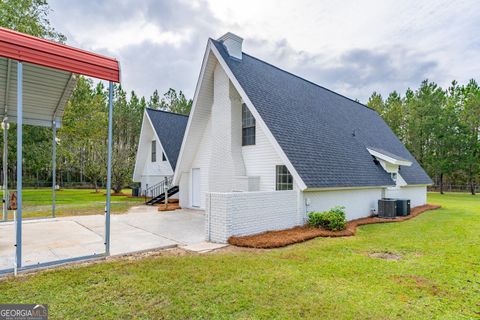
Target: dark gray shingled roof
pixel 170 128
pixel 324 134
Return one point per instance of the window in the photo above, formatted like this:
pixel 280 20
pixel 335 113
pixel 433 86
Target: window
pixel 154 151
pixel 248 127
pixel 284 179
pixel 394 176
pixel 164 158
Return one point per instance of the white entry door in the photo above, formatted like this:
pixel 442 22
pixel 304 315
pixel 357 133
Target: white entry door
pixel 196 187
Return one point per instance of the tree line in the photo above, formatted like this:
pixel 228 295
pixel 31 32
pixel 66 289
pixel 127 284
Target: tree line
pixel 440 127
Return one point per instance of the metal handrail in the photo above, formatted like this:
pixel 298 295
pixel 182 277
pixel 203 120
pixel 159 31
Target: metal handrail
pixel 159 188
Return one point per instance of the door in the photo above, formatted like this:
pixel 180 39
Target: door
pixel 196 187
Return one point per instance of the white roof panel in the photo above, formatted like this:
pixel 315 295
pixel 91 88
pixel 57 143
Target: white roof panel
pixel 45 92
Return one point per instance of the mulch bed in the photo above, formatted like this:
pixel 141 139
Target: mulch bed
pixel 169 207
pixel 282 238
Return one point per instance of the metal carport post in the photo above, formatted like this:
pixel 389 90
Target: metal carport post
pixel 109 169
pixel 54 165
pixel 18 220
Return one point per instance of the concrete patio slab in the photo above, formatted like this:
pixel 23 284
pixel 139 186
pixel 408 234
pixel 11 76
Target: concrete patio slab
pixel 204 246
pixel 142 228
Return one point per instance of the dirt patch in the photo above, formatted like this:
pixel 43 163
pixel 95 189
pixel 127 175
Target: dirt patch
pixel 234 249
pixel 385 256
pixel 294 257
pixel 411 280
pixel 173 252
pixel 282 238
pixel 417 282
pixel 119 194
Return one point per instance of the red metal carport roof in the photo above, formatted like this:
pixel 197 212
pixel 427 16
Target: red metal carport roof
pixel 25 48
pixel 50 72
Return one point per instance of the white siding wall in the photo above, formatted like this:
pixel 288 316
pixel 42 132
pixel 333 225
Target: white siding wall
pixel 244 213
pixel 416 194
pixel 158 167
pixel 151 172
pixel 261 159
pixel 357 202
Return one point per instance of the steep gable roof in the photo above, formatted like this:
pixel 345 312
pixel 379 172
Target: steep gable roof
pixel 323 134
pixel 170 128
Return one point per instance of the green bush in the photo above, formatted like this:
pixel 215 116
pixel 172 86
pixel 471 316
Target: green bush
pixel 333 219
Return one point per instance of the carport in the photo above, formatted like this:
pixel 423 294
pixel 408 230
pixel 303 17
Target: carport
pixel 38 76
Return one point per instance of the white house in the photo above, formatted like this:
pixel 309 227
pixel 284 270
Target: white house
pixel 158 147
pixel 263 147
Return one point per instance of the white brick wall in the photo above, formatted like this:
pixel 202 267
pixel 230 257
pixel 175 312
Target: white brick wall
pixel 246 213
pixel 226 159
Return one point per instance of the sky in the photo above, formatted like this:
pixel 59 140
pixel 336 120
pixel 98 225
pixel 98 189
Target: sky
pixel 352 47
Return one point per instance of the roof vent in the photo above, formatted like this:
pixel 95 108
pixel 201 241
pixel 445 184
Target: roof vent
pixel 233 43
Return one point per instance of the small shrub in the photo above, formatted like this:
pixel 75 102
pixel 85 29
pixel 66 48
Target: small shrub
pixel 333 219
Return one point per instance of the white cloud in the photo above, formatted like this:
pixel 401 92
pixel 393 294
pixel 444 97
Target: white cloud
pixel 128 34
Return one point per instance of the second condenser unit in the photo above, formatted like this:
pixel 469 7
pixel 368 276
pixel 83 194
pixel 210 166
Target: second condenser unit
pixel 403 207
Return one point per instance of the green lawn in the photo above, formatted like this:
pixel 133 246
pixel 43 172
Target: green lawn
pixel 38 202
pixel 330 278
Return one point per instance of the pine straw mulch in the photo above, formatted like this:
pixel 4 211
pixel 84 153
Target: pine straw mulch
pixel 168 207
pixel 282 238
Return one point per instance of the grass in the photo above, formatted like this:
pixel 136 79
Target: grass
pixel 330 278
pixel 38 202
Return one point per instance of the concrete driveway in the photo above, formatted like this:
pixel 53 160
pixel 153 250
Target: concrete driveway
pixel 142 228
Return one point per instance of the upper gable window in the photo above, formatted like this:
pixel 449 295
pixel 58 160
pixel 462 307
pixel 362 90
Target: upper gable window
pixel 284 180
pixel 394 176
pixel 154 151
pixel 248 127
